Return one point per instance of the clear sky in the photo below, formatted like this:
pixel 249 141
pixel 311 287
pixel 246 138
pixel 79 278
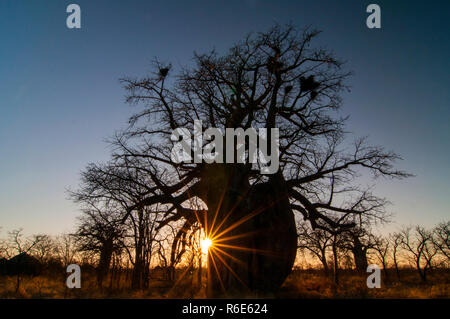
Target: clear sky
pixel 60 96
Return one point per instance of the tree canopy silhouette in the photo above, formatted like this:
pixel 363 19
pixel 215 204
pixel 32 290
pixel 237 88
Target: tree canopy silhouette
pixel 275 79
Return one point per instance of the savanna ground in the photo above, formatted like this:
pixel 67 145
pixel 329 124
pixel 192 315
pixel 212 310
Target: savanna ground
pixel 300 284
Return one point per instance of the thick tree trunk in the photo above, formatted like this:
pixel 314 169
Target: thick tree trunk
pixel 138 270
pixel 324 261
pixel 335 262
pixel 396 265
pixel 385 270
pixel 139 261
pixel 422 273
pixel 199 272
pixel 359 255
pixel 104 262
pixel 254 233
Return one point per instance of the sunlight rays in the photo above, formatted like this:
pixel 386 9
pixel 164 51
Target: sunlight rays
pixel 217 246
pixel 205 244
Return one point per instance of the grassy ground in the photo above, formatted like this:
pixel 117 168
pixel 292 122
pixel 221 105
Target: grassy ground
pixel 313 284
pixel 300 284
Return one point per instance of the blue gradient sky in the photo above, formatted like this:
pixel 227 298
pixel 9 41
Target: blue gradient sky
pixel 60 96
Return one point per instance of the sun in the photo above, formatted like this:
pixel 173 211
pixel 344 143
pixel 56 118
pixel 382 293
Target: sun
pixel 205 244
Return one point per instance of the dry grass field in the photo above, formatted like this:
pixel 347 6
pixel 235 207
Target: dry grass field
pixel 313 284
pixel 300 284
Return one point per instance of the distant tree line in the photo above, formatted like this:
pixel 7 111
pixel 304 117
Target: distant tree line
pixel 111 250
pixel 411 247
pixel 149 243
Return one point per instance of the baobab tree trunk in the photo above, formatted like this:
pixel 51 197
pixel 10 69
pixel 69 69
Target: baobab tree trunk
pixel 385 270
pixel 254 234
pixel 200 267
pixel 359 255
pixel 422 273
pixel 324 261
pixel 104 262
pixel 139 261
pixel 397 270
pixel 138 270
pixel 335 261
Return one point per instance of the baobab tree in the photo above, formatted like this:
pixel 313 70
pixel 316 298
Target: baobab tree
pixel 318 242
pixel 419 245
pixel 382 247
pixel 276 79
pixel 358 241
pixel 396 243
pixel 100 231
pixel 441 239
pixel 107 191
